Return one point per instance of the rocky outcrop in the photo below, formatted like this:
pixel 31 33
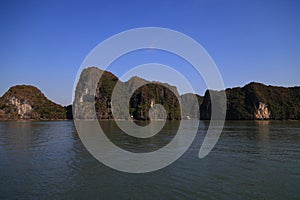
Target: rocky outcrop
pixel 140 93
pixel 23 102
pixel 191 105
pixel 258 101
pixel 219 104
pixel 262 112
pixel 23 108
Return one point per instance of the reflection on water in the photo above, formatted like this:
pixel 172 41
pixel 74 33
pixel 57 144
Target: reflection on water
pixel 252 160
pixel 263 129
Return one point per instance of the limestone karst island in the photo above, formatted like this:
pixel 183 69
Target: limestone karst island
pixel 250 102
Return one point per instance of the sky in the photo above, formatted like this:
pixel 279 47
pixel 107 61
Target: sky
pixel 43 43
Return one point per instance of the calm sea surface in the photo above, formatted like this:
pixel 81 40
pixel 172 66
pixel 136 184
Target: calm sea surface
pixel 252 160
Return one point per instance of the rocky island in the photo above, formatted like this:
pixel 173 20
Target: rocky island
pixel 258 101
pixel 25 102
pixel 254 101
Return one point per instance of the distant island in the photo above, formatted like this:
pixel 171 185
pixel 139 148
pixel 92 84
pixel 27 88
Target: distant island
pixel 254 101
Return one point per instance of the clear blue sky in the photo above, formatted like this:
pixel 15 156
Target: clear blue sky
pixel 43 43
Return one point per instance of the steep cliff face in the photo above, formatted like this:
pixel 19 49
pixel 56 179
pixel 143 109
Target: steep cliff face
pixel 262 112
pixel 28 102
pixel 23 108
pixel 139 101
pixel 103 95
pixel 220 105
pixel 191 105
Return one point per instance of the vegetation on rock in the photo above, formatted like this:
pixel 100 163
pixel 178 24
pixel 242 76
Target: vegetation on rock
pixel 245 103
pixel 150 94
pixel 253 101
pixel 28 102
